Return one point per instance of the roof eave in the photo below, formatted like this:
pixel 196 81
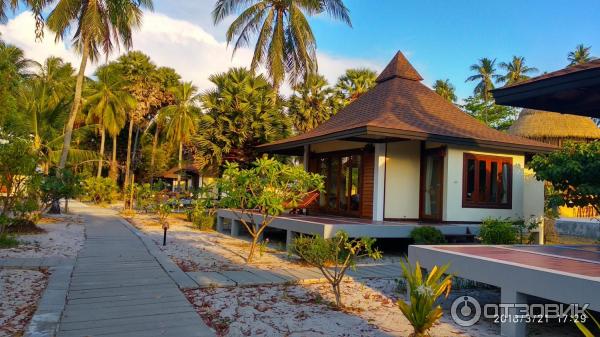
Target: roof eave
pixel 355 132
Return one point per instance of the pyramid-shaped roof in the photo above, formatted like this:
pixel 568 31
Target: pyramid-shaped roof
pixel 400 106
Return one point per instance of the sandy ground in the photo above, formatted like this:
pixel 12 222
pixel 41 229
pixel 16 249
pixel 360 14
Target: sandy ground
pixel 370 310
pixel 63 236
pixel 196 250
pixel 20 290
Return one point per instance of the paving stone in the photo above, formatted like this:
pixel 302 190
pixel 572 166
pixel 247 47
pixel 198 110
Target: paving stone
pixel 207 279
pixel 245 278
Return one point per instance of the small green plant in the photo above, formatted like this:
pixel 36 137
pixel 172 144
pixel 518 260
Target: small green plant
pixel 100 190
pixel 427 235
pixel 8 241
pixel 497 232
pixel 524 229
pixel 422 311
pixel 163 210
pixel 201 217
pixel 334 256
pixel 144 197
pixel 262 247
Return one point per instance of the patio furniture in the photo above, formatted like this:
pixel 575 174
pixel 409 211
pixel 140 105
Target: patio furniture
pixel 304 204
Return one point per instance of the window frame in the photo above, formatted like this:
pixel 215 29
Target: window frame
pixel 474 202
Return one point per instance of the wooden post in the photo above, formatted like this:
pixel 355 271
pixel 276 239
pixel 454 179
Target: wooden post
pixel 132 189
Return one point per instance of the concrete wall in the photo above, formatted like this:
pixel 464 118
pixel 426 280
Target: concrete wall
pixel 453 173
pixel 336 145
pixel 402 180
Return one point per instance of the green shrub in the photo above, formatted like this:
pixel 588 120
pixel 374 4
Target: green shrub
pixel 164 209
pixel 202 218
pixel 422 311
pixel 100 190
pixel 144 197
pixel 8 241
pixel 497 232
pixel 334 256
pixel 427 235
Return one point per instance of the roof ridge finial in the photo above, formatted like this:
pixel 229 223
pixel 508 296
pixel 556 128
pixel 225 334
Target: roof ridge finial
pixel 399 67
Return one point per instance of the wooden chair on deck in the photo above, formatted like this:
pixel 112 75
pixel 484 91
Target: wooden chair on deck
pixel 304 204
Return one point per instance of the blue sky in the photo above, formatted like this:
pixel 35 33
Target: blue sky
pixel 441 38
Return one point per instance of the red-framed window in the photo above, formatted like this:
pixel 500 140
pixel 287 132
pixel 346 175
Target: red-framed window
pixel 487 181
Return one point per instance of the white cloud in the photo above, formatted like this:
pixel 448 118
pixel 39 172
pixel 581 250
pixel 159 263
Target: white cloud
pixel 182 45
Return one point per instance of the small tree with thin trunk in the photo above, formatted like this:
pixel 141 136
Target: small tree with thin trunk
pixel 261 193
pixel 334 256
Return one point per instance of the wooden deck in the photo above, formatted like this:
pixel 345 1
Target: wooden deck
pixel 328 225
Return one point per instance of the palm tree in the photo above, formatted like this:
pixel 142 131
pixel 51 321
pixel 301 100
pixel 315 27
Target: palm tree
pixel 98 26
pixel 516 71
pixel 180 119
pixel 36 6
pixel 356 82
pixel 485 73
pixel 108 103
pixel 52 88
pixel 312 103
pixel 243 111
pixel 445 89
pixel 580 55
pixel 285 42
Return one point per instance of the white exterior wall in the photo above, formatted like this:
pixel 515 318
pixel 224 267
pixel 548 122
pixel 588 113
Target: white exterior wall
pixel 453 173
pixel 402 180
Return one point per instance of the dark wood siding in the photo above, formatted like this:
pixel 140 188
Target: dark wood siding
pixel 368 172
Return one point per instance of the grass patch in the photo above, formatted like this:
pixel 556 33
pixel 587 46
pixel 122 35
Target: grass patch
pixel 8 241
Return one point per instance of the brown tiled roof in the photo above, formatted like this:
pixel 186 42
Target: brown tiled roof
pixel 400 106
pixel 565 71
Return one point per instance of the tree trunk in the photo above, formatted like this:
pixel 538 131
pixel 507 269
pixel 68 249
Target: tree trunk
pixel 128 162
pixel 153 156
pixel 338 294
pixel 102 138
pixel 179 166
pixel 74 109
pixel 135 145
pixel 252 249
pixel 55 207
pixel 113 172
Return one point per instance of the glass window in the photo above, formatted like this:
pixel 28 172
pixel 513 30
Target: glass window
pixel 487 181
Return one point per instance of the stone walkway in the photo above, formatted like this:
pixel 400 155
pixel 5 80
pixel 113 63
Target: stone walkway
pixel 254 277
pixel 118 288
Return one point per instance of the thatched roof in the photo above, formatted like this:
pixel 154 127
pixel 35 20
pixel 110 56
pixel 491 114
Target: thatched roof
pixel 538 124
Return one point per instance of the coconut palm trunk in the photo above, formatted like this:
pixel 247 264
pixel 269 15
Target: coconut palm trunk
pixel 74 109
pixel 153 155
pixel 179 166
pixel 128 161
pixel 102 139
pixel 113 174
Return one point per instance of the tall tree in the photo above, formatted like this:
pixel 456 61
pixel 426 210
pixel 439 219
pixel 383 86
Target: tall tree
pixel 180 119
pixel 51 92
pixel 498 117
pixel 107 103
pixel 516 71
pixel 243 111
pixel 36 6
pixel 143 84
pixel 98 26
pixel 580 55
pixel 355 82
pixel 285 42
pixel 485 75
pixel 14 70
pixel 445 89
pixel 312 103
pixel 168 79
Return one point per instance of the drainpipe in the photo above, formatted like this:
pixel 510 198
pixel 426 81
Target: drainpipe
pixel 306 156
